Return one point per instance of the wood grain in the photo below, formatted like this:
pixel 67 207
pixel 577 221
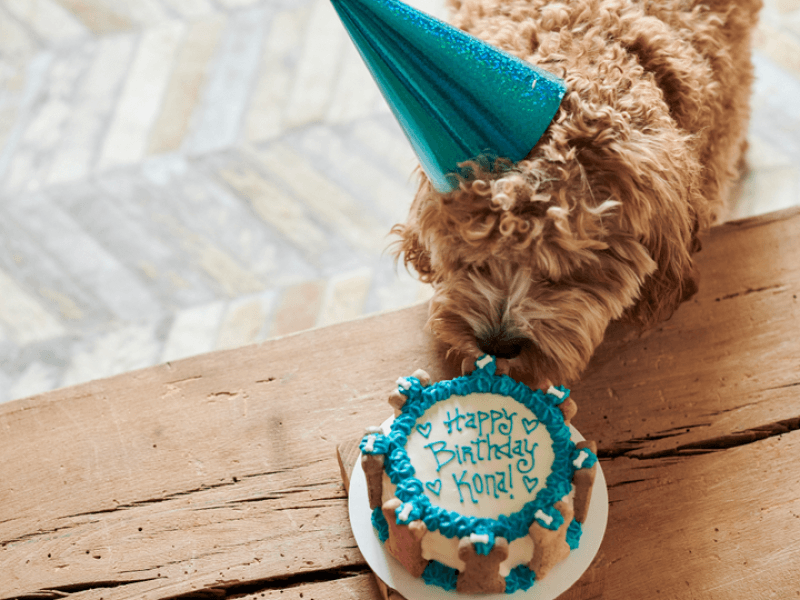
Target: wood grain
pixel 724 370
pixel 217 476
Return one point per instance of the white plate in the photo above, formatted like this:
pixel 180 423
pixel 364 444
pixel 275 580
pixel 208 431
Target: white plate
pixel 392 573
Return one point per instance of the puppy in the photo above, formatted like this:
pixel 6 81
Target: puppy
pixel 530 262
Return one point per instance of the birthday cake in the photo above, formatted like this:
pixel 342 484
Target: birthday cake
pixel 477 486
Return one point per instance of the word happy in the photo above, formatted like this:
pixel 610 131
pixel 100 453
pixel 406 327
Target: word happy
pixel 494 452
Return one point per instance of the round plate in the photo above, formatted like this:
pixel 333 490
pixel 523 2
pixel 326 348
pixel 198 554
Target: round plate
pixel 392 573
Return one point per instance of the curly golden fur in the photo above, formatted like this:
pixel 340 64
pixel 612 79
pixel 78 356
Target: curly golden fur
pixel 599 222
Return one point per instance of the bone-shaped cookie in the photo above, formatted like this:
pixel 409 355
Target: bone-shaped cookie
pixel 481 575
pixel 583 480
pixel 372 464
pixel 550 546
pixel 405 541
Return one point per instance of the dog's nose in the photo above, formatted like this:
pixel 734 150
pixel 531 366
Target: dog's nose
pixel 503 347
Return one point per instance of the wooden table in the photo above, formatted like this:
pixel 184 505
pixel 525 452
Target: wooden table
pixel 216 476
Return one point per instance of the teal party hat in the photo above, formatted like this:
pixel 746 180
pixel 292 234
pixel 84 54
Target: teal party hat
pixel 456 97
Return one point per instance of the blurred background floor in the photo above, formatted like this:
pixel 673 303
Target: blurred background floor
pixel 179 176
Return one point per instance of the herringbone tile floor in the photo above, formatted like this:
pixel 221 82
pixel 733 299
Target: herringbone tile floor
pixel 178 176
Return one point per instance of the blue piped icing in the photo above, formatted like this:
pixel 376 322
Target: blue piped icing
pixel 380 524
pixel 436 573
pixel 519 579
pixel 417 505
pixel 374 443
pixel 574 533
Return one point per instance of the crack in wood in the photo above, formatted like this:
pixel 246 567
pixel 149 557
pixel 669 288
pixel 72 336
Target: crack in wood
pixel 144 503
pixel 297 507
pixel 184 380
pixel 758 221
pixel 779 287
pixel 39 596
pixel 32 536
pixel 738 407
pixel 235 481
pixel 626 482
pixel 65 591
pixel 785 386
pixel 244 501
pixel 320 501
pixel 664 435
pixel 225 394
pixel 241 588
pixel 724 442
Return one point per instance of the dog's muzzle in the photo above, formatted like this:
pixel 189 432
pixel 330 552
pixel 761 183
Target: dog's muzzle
pixel 501 346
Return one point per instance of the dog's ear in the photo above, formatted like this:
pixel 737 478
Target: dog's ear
pixel 658 185
pixel 663 292
pixel 675 280
pixel 679 69
pixel 409 244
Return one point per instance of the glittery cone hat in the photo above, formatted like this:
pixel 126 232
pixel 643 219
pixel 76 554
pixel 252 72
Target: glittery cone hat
pixel 456 97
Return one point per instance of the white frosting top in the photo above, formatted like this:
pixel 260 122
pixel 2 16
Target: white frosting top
pixel 480 455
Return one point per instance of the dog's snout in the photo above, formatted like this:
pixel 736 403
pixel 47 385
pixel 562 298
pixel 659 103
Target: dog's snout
pixel 503 347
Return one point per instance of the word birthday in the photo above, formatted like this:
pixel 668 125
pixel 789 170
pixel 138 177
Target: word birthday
pixel 465 455
pixel 492 449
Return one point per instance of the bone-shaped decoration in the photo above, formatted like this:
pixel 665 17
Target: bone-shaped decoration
pixel 397 401
pixel 583 480
pixel 405 541
pixel 481 575
pixel 424 378
pixel 569 409
pixel 550 546
pixel 372 465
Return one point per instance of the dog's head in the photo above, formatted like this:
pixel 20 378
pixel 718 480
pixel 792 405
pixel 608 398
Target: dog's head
pixel 531 262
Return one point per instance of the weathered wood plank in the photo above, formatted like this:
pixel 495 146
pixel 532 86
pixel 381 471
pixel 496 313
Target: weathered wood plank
pixel 227 461
pixel 347 454
pixel 728 361
pixel 265 526
pixel 723 525
pixel 356 587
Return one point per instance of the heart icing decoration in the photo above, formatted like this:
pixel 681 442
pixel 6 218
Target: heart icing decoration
pixel 434 486
pixel 424 430
pixel 530 424
pixel 530 482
